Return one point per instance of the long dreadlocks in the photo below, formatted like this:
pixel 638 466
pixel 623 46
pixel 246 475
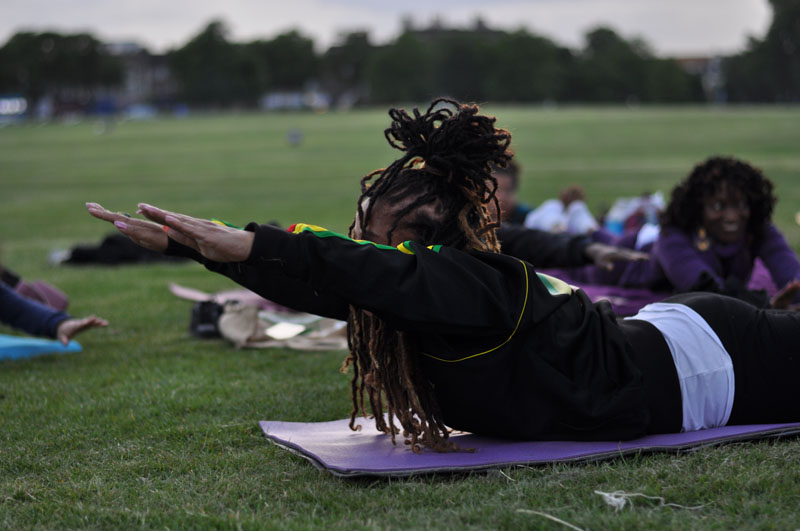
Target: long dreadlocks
pixel 448 151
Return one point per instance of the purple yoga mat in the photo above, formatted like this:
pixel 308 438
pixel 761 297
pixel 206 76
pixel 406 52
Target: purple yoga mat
pixel 334 447
pixel 628 301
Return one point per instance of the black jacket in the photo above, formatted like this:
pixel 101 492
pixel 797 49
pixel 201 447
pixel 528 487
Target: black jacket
pixel 510 353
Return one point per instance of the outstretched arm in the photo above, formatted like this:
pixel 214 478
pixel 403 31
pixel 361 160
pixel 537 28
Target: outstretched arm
pixel 150 235
pixel 212 240
pixel 439 289
pixel 541 248
pixel 72 327
pixel 546 249
pixel 39 320
pixel 221 250
pixel 605 256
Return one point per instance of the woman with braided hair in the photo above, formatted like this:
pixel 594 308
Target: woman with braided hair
pixel 445 332
pixel 717 223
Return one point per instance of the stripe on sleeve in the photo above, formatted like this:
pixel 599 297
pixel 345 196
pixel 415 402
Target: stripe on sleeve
pixel 555 286
pixel 321 232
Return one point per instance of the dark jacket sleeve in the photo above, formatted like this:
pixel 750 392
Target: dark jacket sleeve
pixel 271 282
pixel 542 248
pixel 414 288
pixel 27 315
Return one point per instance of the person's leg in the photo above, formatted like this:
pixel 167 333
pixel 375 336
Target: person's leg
pixel 764 346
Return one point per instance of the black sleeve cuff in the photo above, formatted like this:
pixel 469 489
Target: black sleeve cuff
pixel 269 244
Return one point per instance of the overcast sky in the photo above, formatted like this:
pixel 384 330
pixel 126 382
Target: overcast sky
pixel 671 27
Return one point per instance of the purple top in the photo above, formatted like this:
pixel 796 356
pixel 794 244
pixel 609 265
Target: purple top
pixel 682 261
pixel 677 262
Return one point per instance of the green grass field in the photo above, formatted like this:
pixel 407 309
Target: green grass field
pixel 148 427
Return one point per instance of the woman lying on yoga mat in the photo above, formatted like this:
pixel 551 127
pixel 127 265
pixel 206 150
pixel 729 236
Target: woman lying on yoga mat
pixel 444 331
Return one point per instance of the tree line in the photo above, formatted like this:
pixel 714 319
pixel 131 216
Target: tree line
pixel 478 64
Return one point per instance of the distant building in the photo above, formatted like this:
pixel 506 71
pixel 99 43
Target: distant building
pixel 311 98
pixel 12 108
pixel 147 78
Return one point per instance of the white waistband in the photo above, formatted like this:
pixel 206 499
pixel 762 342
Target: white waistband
pixel 704 367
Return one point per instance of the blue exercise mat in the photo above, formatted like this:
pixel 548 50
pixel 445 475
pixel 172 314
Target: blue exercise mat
pixel 19 347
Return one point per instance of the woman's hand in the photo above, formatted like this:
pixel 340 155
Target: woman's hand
pixel 783 299
pixel 604 256
pixel 141 232
pixel 68 328
pixel 214 241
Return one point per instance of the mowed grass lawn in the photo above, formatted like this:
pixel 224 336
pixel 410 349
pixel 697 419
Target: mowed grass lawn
pixel 148 427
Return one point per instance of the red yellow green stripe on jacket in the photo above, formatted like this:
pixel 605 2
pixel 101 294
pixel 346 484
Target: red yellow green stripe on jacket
pixel 321 232
pixel 554 286
pixel 225 223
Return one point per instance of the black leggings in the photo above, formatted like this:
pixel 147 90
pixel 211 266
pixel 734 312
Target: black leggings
pixel 764 346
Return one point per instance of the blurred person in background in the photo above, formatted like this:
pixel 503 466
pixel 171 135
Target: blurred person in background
pixel 716 234
pixel 38 319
